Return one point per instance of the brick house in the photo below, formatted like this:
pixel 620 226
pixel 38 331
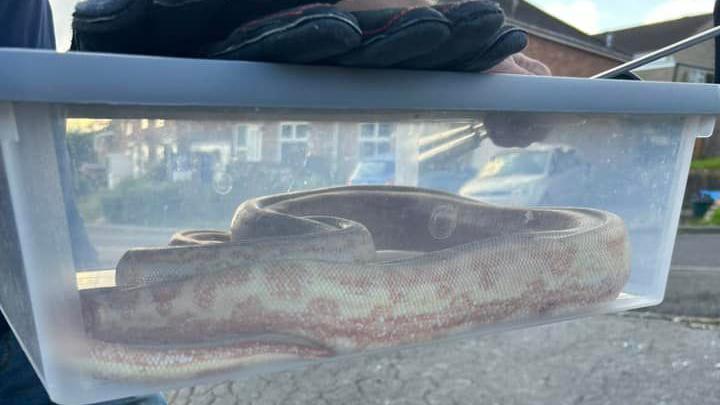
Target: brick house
pixel 131 148
pixel 565 49
pixel 693 65
pixel 187 147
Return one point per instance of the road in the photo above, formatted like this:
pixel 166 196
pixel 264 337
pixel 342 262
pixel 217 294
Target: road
pixel 694 281
pixel 697 250
pixel 599 360
pixel 111 241
pixel 631 358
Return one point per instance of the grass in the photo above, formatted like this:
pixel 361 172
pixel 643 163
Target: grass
pixel 706 164
pixel 712 220
pixel 715 218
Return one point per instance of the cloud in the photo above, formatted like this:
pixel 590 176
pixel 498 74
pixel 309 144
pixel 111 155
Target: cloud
pixel 581 14
pixel 674 9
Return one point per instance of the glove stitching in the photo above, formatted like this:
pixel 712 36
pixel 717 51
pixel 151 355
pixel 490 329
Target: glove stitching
pixel 403 26
pixel 98 19
pixel 294 24
pixel 170 4
pixel 293 12
pixel 389 23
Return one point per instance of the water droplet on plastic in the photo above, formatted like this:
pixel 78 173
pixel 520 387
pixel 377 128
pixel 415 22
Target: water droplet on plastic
pixel 222 183
pixel 680 363
pixel 443 221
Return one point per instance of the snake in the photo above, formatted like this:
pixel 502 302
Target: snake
pixel 317 274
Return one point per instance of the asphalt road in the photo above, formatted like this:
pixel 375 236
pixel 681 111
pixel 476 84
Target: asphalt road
pixel 697 250
pixel 693 287
pixel 599 360
pixel 111 241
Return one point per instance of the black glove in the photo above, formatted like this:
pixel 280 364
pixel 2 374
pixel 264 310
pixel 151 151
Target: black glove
pixel 468 36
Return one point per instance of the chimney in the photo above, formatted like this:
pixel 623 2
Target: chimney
pixel 609 40
pixel 515 4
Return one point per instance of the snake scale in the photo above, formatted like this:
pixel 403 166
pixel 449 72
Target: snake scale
pixel 321 273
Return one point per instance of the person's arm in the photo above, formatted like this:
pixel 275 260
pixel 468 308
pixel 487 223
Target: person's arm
pixel 26 24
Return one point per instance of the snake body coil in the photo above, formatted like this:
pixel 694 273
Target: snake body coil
pixel 341 270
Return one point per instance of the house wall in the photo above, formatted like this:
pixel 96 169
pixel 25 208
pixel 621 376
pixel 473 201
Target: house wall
pixel 565 60
pixel 322 139
pixel 701 55
pixel 657 75
pixel 270 142
pixel 348 148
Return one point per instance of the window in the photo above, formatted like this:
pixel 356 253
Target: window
pixel 295 132
pixel 293 143
pixel 144 123
pixel 159 123
pixel 247 143
pixel 375 139
pixel 694 74
pixel 697 76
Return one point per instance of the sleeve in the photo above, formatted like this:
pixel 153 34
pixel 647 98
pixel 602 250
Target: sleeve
pixel 26 24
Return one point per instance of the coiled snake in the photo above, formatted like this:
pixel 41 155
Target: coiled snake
pixel 325 272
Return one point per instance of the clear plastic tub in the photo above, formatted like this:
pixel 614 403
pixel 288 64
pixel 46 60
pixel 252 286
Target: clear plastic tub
pixel 406 208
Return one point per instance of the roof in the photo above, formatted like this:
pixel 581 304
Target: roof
pixel 525 12
pixel 542 24
pixel 655 36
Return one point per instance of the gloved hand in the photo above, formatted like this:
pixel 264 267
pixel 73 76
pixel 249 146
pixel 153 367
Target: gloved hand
pixel 467 36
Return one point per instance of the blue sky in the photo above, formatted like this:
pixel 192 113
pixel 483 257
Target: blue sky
pixel 595 16
pixel 591 16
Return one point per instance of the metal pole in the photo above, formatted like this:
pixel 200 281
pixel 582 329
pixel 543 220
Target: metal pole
pixel 660 53
pixel 716 21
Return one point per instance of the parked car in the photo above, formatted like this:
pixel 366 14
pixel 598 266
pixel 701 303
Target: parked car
pixel 382 171
pixel 531 176
pixel 373 171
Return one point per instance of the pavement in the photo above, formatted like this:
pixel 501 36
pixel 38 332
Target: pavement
pixel 694 282
pixel 630 359
pixel 697 250
pixel 692 291
pixel 112 241
pixel 669 354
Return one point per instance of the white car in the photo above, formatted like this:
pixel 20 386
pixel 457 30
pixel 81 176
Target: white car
pixel 542 175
